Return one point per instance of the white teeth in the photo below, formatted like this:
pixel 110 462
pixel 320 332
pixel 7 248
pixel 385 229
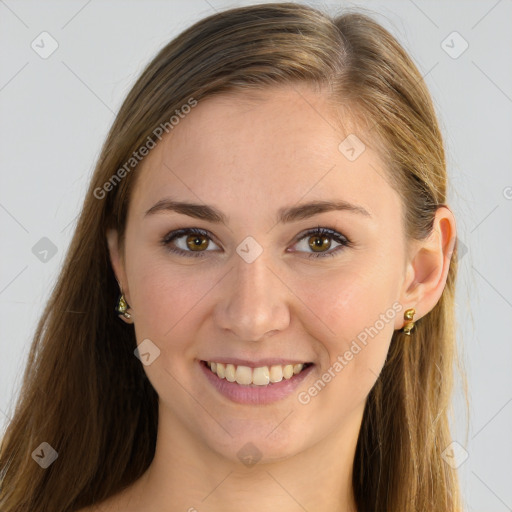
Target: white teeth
pixel 243 375
pixel 276 373
pixel 288 371
pixel 261 376
pixel 230 372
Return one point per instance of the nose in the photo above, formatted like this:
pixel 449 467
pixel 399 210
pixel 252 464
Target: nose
pixel 253 303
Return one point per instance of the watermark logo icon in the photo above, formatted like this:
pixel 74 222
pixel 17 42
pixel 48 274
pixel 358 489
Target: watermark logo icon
pixel 44 455
pixel 44 45
pixel 44 250
pixel 147 352
pixel 462 249
pixel 454 45
pixel 249 454
pixel 454 455
pixel 351 147
pixel 249 249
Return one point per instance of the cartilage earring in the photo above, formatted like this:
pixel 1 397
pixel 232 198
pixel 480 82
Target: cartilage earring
pixel 122 309
pixel 408 316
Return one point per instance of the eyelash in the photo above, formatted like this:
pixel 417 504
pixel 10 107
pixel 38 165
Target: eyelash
pixel 319 232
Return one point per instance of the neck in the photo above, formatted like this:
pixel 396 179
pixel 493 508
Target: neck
pixel 185 475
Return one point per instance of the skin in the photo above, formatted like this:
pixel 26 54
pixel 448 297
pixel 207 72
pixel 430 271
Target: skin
pixel 249 158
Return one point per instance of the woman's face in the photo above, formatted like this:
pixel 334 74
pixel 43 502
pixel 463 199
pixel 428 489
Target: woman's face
pixel 255 287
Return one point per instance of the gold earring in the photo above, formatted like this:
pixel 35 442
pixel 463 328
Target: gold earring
pixel 408 315
pixel 122 309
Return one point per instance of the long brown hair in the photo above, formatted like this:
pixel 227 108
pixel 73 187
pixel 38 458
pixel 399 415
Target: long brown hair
pixel 85 394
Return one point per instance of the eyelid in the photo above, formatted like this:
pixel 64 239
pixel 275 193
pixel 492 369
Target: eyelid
pixel 177 233
pixel 334 234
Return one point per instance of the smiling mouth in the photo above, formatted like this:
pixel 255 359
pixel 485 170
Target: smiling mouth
pixel 261 376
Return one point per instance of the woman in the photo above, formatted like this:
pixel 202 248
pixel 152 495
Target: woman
pixel 268 216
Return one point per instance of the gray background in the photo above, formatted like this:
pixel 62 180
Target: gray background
pixel 55 112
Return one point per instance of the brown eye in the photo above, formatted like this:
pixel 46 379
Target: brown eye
pixel 320 240
pixel 319 243
pixel 188 242
pixel 196 242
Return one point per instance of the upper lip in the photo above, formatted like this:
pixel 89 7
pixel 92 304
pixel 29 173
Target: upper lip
pixel 256 364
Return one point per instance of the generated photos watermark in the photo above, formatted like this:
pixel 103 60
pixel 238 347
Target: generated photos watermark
pixel 304 397
pixel 137 156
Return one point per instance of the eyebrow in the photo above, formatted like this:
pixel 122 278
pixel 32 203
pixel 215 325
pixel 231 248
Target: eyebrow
pixel 284 215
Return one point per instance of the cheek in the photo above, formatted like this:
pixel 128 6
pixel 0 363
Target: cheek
pixel 167 303
pixel 353 323
pixel 346 301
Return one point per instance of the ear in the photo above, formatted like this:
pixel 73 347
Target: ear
pixel 427 266
pixel 117 260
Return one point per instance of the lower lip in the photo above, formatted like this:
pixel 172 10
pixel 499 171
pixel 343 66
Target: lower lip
pixel 253 394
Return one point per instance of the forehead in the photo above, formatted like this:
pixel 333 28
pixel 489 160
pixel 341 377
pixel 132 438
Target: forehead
pixel 253 153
